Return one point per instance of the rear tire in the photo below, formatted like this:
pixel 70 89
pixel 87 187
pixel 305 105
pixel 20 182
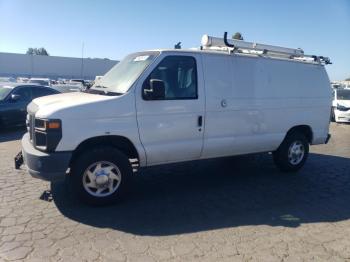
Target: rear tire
pixel 292 153
pixel 101 176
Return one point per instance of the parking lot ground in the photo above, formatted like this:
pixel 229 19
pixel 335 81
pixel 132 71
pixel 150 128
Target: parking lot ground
pixel 229 209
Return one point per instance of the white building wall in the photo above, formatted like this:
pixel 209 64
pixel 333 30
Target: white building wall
pixel 16 65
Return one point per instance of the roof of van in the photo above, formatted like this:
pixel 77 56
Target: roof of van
pixel 218 52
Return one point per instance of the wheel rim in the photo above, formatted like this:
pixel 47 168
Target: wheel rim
pixel 296 153
pixel 101 179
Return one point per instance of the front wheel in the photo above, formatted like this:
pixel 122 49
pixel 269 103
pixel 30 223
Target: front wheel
pixel 101 176
pixel 292 153
pixel 332 115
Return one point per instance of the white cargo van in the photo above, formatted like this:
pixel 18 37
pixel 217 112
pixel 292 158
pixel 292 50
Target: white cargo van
pixel 164 106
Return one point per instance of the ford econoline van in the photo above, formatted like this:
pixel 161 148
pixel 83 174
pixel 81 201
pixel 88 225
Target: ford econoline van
pixel 227 98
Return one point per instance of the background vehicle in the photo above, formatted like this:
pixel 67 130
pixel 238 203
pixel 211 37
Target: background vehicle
pixel 14 100
pixel 69 87
pixel 85 84
pixel 40 81
pixel 97 79
pixel 22 79
pixel 341 105
pixel 169 106
pixel 82 81
pixel 7 80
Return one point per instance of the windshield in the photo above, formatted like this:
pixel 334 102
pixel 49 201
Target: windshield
pixel 343 94
pixel 4 91
pixel 121 77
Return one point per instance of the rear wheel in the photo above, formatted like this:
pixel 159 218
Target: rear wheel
pixel 101 176
pixel 292 153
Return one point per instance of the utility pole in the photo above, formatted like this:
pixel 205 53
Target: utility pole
pixel 82 61
pixel 31 65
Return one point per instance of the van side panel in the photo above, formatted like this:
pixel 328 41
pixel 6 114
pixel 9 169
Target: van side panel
pixel 232 116
pixel 317 101
pixel 295 94
pixel 252 102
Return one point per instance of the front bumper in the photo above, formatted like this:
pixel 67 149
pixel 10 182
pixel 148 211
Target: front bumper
pixel 342 116
pixel 46 166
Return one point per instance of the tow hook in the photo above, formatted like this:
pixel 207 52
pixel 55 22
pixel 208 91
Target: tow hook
pixel 18 160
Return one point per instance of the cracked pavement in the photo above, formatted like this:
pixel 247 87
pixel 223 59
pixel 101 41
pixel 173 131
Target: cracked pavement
pixel 228 209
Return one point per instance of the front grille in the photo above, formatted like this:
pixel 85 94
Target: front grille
pixel 40 138
pixel 32 108
pixel 30 126
pixel 27 123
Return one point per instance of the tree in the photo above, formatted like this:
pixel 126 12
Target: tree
pixel 37 51
pixel 348 79
pixel 237 36
pixel 42 51
pixel 30 51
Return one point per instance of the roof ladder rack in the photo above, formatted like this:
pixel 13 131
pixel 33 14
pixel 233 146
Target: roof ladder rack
pixel 240 46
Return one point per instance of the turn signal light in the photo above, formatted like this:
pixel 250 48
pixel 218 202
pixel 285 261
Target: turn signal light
pixel 53 125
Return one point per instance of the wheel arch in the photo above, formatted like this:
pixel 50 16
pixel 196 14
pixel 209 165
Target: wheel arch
pixel 304 129
pixel 120 142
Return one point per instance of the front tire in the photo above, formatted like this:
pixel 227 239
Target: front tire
pixel 332 115
pixel 101 176
pixel 292 153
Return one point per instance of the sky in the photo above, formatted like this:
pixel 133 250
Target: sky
pixel 113 29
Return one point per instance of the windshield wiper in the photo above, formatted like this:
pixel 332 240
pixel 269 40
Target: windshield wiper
pixel 109 93
pixel 102 92
pixel 94 91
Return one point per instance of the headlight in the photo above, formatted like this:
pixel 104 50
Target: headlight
pixel 47 134
pixel 342 108
pixel 47 124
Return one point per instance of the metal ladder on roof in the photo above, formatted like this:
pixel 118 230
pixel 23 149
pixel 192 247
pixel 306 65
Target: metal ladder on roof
pixel 244 47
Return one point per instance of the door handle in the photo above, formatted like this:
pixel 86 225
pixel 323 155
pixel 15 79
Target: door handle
pixel 200 121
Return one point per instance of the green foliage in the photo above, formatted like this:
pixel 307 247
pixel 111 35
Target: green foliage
pixel 237 36
pixel 37 51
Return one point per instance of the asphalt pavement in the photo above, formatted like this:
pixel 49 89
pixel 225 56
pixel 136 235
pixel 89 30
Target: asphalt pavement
pixel 228 209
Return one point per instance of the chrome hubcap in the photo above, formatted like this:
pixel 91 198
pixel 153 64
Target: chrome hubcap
pixel 296 153
pixel 101 179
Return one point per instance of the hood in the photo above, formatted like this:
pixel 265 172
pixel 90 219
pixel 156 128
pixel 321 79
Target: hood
pixel 52 105
pixel 345 103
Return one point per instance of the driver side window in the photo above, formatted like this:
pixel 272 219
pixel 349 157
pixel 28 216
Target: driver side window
pixel 24 93
pixel 179 74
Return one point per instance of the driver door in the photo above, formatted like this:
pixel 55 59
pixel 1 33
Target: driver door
pixel 17 109
pixel 171 129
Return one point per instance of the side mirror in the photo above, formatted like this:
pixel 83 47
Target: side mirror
pixel 15 97
pixel 156 91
